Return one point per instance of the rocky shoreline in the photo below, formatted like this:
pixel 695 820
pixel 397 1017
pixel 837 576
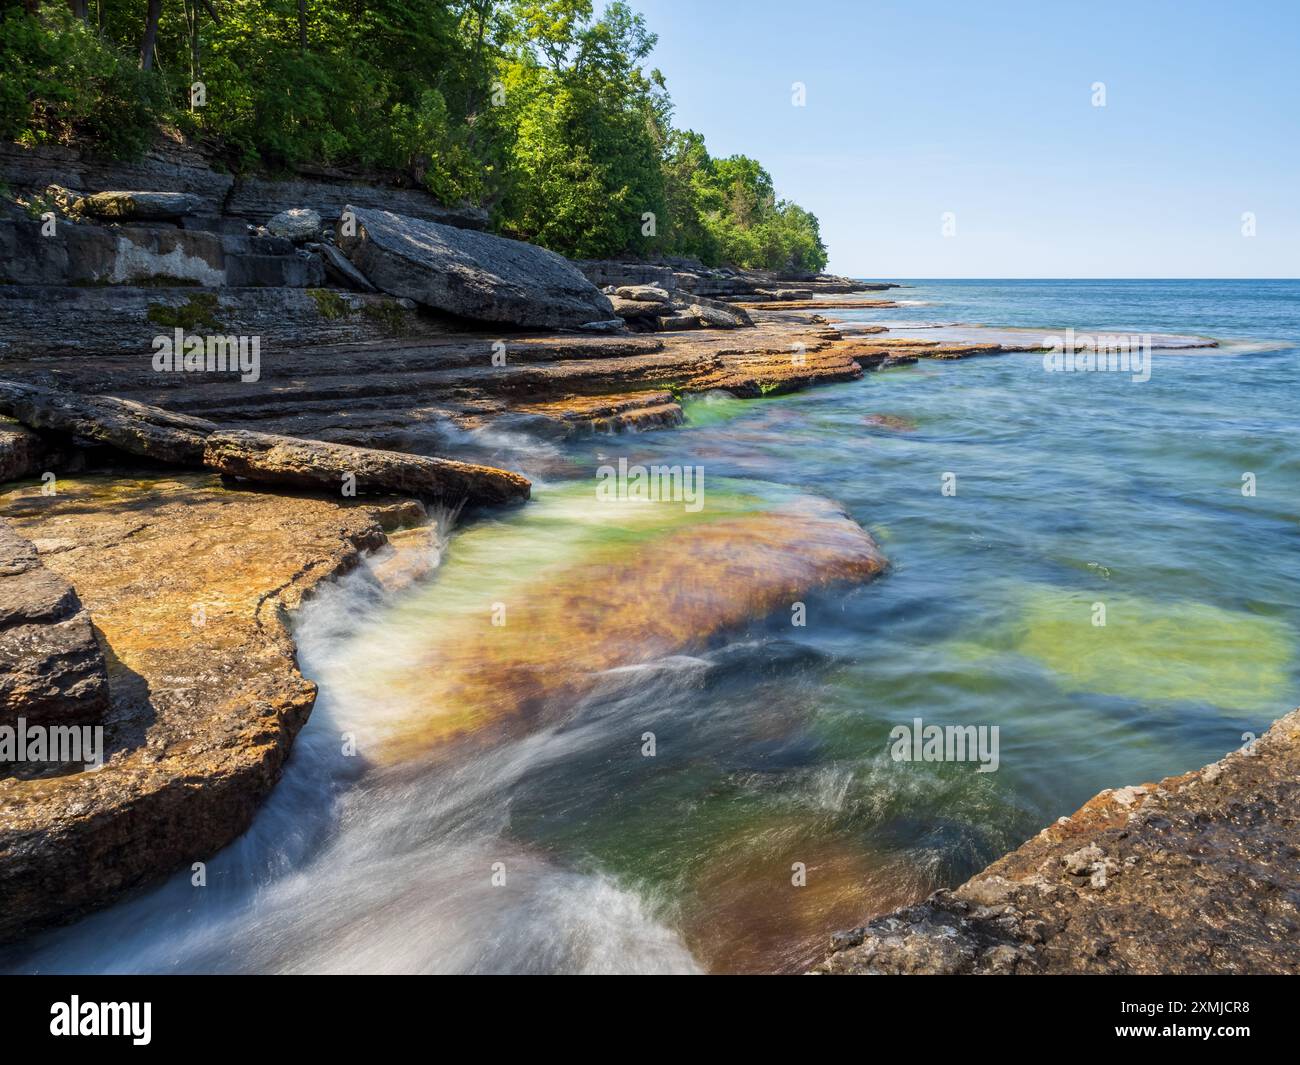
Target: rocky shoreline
pixel 194 507
pixel 1194 874
pixel 173 516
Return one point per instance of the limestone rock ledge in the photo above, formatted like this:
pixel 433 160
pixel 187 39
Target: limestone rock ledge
pixel 1195 874
pixel 187 583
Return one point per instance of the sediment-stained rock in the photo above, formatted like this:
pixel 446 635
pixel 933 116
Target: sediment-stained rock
pixel 188 584
pixel 1196 874
pixel 470 274
pixel 52 671
pixel 287 460
pixel 633 600
pixel 582 415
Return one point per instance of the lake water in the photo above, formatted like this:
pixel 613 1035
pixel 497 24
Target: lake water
pixel 595 737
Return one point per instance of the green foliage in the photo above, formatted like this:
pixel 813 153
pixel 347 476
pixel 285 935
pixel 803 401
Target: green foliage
pixel 60 81
pixel 541 110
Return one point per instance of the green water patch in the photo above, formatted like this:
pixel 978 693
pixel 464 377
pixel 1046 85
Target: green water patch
pixel 712 408
pixel 1149 650
pixel 564 526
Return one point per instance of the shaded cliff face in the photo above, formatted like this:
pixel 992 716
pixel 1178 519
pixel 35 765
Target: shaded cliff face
pixel 1195 874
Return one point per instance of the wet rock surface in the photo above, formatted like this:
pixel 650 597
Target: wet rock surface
pixel 1194 874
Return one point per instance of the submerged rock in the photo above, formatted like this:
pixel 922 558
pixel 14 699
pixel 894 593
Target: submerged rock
pixel 471 274
pixel 313 464
pixel 631 583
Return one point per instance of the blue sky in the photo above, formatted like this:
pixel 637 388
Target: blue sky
pixel 985 110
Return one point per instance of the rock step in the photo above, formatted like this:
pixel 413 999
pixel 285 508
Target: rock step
pixel 286 460
pixel 38 322
pixel 180 440
pixel 202 717
pixel 583 415
pixel 52 672
pixel 83 254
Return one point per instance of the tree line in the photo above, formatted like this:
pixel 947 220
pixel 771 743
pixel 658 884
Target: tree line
pixel 542 111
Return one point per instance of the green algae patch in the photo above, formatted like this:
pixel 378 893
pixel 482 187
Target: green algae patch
pixel 1152 650
pixel 329 304
pixel 390 316
pixel 200 310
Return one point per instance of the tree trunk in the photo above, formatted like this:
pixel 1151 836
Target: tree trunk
pixel 150 34
pixel 80 9
pixel 302 25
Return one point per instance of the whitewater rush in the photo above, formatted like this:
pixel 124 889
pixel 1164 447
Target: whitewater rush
pixel 920 742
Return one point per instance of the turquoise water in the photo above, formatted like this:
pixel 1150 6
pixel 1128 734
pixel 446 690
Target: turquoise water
pixel 524 749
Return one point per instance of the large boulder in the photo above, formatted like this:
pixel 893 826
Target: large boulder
pixel 643 294
pixel 297 223
pixel 470 274
pixel 51 668
pixel 275 459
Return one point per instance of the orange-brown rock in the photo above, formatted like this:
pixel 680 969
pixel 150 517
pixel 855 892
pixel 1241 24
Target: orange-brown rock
pixel 188 583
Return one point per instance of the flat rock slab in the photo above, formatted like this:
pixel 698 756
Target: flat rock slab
pixel 189 583
pixel 52 671
pixel 120 206
pixel 471 274
pixel 287 460
pixel 135 428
